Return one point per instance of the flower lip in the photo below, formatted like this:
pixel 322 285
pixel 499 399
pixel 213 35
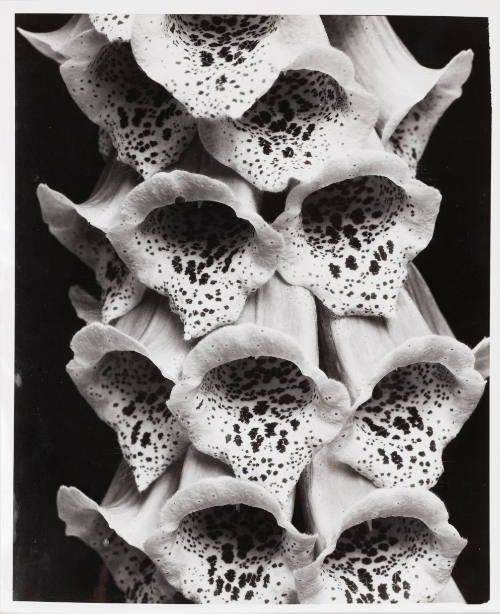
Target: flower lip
pixel 341 241
pixel 420 515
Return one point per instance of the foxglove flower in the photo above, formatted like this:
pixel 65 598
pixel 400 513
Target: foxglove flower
pixel 350 232
pixel 412 392
pixel 80 228
pixel 252 395
pixel 118 528
pixel 126 374
pixel 195 235
pixel 412 98
pixel 377 545
pixel 222 539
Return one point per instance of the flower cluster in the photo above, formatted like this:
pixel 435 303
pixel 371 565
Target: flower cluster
pixel 281 384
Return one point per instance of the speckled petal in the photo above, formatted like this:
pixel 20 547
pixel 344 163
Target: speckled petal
pixel 75 227
pixel 52 44
pixel 126 375
pixel 350 232
pixel 219 65
pixel 148 127
pixel 289 133
pixel 117 529
pixel 413 394
pixel 116 27
pixel 412 97
pixel 378 545
pixel 251 394
pixel 197 238
pixel 224 540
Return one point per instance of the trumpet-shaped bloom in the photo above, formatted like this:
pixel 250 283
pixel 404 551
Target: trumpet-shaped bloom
pixel 289 133
pixel 412 97
pixel 148 127
pixel 224 540
pixel 117 530
pixel 198 238
pixel 126 375
pixel 350 232
pixel 252 396
pixel 80 228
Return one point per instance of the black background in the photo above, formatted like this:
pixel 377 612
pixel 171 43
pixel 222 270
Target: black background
pixel 59 440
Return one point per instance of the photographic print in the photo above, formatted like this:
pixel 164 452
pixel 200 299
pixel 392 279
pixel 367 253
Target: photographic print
pixel 252 309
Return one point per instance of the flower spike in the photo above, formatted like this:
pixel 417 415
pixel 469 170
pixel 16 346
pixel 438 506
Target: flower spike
pixel 148 128
pixel 412 394
pixel 219 65
pixel 412 98
pixel 194 235
pixel 126 374
pixel 118 528
pixel 53 44
pixel 252 395
pixel 80 228
pixel 378 545
pixel 350 232
pixel 289 133
pixel 223 539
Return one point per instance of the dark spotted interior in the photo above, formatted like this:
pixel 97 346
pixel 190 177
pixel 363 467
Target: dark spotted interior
pixel 410 137
pixel 201 256
pixel 133 572
pixel 115 27
pixel 259 412
pixel 349 247
pixel 236 553
pixel 135 393
pixel 403 428
pixel 290 129
pixel 148 127
pixel 223 57
pixel 383 563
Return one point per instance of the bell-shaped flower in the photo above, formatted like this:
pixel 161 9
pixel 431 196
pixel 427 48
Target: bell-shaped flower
pixel 117 529
pixel 223 540
pixel 81 227
pixel 219 65
pixel 375 545
pixel 53 44
pixel 251 394
pixel 289 133
pixel 412 392
pixel 412 98
pixel 195 235
pixel 126 374
pixel 351 231
pixel 148 127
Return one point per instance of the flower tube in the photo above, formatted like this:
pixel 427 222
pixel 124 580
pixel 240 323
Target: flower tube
pixel 222 539
pixel 412 98
pixel 118 528
pixel 252 395
pixel 376 545
pixel 149 129
pixel 195 235
pixel 126 374
pixel 350 233
pixel 80 228
pixel 412 392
